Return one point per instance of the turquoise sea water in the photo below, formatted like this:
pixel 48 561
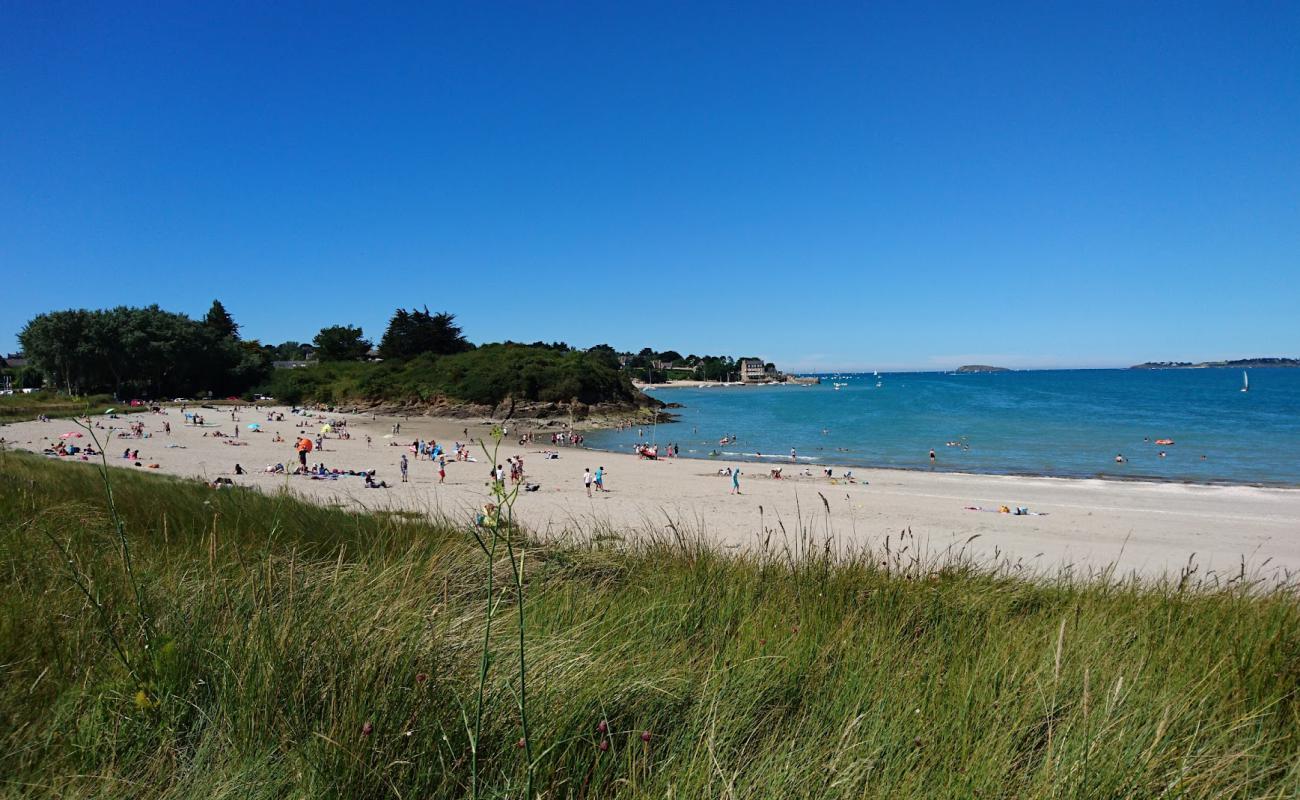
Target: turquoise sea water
pixel 1064 422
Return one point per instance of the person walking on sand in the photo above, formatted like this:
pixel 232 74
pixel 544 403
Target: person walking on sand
pixel 586 479
pixel 442 469
pixel 403 465
pixel 735 481
pixel 600 479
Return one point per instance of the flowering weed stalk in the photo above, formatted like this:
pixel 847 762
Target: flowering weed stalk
pixel 497 523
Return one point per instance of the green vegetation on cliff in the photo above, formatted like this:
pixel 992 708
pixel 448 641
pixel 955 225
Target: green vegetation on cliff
pixel 485 376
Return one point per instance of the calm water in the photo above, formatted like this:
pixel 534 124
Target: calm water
pixel 1067 423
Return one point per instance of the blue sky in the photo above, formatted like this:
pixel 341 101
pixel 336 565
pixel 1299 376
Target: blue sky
pixel 858 185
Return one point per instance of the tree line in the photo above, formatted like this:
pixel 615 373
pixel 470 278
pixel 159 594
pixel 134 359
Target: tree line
pixel 148 352
pixel 154 353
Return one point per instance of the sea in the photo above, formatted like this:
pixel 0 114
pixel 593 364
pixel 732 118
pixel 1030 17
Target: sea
pixel 1068 423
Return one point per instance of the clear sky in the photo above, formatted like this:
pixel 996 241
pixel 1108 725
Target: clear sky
pixel 860 185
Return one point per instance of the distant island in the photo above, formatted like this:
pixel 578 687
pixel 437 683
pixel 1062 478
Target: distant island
pixel 981 368
pixel 1238 363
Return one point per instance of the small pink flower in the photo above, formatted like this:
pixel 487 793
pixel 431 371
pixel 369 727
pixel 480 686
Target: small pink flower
pixel 602 727
pixel 421 677
pixel 521 743
pixel 367 728
pixel 604 745
pixel 645 736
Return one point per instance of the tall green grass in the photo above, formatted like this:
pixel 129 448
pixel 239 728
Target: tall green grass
pixel 280 630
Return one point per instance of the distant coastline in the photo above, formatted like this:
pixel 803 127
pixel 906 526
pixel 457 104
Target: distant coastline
pixel 1240 363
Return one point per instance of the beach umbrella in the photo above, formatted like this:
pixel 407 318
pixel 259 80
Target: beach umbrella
pixel 255 426
pixel 326 428
pixel 110 410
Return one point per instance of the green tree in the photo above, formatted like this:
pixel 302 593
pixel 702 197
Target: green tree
pixel 341 343
pixel 605 355
pixel 220 321
pixel 416 332
pixel 56 344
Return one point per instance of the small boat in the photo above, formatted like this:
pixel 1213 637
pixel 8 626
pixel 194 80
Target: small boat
pixel 839 386
pixel 1245 381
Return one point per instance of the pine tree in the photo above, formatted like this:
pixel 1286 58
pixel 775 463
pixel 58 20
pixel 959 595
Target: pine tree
pixel 220 321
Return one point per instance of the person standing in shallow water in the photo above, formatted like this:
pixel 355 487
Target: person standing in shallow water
pixel 932 456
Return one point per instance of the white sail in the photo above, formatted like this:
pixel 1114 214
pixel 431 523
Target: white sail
pixel 1245 381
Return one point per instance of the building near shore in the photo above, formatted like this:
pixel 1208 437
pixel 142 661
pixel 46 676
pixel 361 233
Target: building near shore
pixel 752 370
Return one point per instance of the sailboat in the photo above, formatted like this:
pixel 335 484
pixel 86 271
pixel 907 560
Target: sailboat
pixel 1245 381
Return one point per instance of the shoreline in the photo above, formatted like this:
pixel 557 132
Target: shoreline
pixel 1080 524
pixel 783 461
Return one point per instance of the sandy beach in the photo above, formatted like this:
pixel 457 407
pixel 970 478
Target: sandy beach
pixel 1084 525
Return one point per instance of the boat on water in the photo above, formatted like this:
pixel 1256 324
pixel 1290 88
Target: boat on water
pixel 1245 381
pixel 839 386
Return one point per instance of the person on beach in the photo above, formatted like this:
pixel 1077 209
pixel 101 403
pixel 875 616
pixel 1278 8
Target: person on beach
pixel 404 467
pixel 600 479
pixel 735 481
pixel 586 479
pixel 793 457
pixel 932 456
pixel 442 469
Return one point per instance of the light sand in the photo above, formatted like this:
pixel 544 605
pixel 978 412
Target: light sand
pixel 1147 528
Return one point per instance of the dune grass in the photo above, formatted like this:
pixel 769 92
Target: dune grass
pixel 281 649
pixel 23 407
